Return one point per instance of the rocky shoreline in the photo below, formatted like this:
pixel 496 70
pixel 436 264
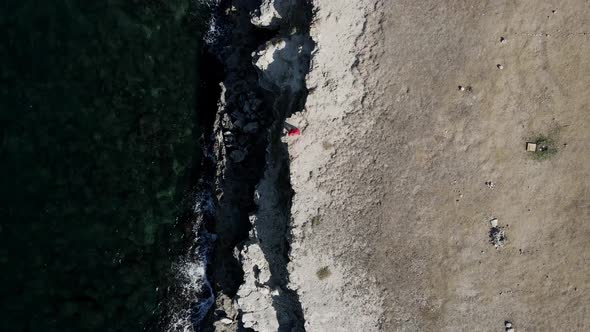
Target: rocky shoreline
pixel 264 52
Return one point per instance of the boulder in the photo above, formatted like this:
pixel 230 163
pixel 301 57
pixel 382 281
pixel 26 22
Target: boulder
pixel 272 13
pixel 283 63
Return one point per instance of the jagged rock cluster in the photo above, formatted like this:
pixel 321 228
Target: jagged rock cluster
pixel 261 88
pixel 239 123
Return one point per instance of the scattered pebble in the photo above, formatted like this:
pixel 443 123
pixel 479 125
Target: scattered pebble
pixel 508 326
pixel 500 66
pixel 490 184
pixel 461 88
pixel 503 40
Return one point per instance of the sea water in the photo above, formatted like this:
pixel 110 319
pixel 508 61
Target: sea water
pixel 99 149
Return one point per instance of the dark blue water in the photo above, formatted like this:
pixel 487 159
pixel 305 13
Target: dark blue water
pixel 99 145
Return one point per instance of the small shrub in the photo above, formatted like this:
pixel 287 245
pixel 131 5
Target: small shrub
pixel 316 221
pixel 546 147
pixel 323 273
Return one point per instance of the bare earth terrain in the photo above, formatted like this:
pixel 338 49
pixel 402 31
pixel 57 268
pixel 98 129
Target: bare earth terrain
pixel 393 201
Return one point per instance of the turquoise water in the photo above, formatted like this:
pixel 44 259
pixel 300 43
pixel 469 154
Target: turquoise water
pixel 99 119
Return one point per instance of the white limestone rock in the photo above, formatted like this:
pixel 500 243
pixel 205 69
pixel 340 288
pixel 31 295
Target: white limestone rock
pixel 282 63
pixel 254 299
pixel 272 13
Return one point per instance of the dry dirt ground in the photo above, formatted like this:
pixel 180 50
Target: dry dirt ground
pixel 391 216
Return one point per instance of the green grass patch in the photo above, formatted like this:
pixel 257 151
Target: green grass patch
pixel 316 221
pixel 546 146
pixel 323 273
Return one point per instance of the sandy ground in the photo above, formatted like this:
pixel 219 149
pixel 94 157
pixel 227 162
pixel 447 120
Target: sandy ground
pixel 391 213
